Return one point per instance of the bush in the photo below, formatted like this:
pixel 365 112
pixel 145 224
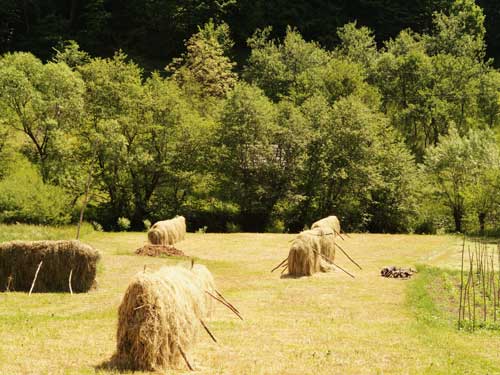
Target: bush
pixel 232 227
pixel 123 224
pixel 276 226
pixel 25 198
pixel 147 224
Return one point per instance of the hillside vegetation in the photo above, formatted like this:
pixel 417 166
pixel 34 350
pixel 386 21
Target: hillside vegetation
pixel 399 136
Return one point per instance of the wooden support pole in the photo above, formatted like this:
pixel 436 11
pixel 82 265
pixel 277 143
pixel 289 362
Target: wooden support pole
pixel 36 275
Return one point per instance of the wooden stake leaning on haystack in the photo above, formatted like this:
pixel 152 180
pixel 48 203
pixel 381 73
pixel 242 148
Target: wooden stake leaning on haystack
pixel 160 316
pixel 332 223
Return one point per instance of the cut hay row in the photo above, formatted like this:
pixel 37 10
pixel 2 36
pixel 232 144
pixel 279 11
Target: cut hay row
pixel 157 250
pixel 55 262
pixel 160 316
pixel 168 232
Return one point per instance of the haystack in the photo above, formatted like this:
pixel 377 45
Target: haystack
pixel 330 222
pixel 160 316
pixel 304 256
pixel 19 261
pixel 309 252
pixel 168 232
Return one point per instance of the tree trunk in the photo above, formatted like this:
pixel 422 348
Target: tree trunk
pixel 457 216
pixel 482 218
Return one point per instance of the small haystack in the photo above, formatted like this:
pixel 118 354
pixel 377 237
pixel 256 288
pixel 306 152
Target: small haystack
pixel 168 232
pixel 19 261
pixel 160 316
pixel 157 250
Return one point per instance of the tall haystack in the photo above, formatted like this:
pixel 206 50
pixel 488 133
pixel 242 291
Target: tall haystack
pixel 168 232
pixel 19 261
pixel 160 316
pixel 330 222
pixel 304 258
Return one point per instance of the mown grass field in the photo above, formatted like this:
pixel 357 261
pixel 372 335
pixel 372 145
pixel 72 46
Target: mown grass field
pixel 326 324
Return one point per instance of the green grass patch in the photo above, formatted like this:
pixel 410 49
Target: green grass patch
pixel 10 232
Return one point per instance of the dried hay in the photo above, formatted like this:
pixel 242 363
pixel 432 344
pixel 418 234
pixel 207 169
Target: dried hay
pixel 157 250
pixel 168 232
pixel 19 261
pixel 330 222
pixel 160 316
pixel 309 250
pixel 304 258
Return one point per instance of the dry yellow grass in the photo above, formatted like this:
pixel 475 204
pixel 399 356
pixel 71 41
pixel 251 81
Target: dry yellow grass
pixel 325 324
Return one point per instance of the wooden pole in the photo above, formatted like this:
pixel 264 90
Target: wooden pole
pixel 279 265
pixel 225 304
pixel 336 265
pixel 36 275
pixel 84 205
pixel 208 331
pixel 185 358
pixel 461 286
pixel 225 300
pixel 347 255
pixel 69 281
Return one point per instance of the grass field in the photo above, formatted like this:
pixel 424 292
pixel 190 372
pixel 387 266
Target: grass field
pixel 326 324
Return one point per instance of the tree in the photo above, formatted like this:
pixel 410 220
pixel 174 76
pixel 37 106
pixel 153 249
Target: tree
pixel 251 164
pixel 275 67
pixel 205 62
pixel 459 33
pixel 456 165
pixel 42 101
pixel 357 44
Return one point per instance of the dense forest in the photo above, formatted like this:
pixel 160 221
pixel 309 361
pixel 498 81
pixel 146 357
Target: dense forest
pixel 257 116
pixel 153 32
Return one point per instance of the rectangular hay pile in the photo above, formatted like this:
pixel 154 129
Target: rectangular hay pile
pixel 19 261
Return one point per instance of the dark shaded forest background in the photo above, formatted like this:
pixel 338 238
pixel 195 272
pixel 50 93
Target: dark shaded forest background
pixel 154 32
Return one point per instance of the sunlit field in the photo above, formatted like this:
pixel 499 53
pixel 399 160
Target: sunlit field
pixel 325 324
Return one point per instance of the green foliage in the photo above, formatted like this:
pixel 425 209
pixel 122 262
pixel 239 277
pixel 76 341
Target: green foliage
pixel 275 67
pixel 357 44
pixel 307 133
pixel 464 167
pixel 70 53
pixel 123 224
pixel 459 33
pixel 249 163
pixel 42 101
pixel 24 197
pixel 205 63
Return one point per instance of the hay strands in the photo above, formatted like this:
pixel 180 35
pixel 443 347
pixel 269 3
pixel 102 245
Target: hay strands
pixel 347 255
pixel 185 358
pixel 228 305
pixel 336 265
pixel 279 265
pixel 36 275
pixel 208 331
